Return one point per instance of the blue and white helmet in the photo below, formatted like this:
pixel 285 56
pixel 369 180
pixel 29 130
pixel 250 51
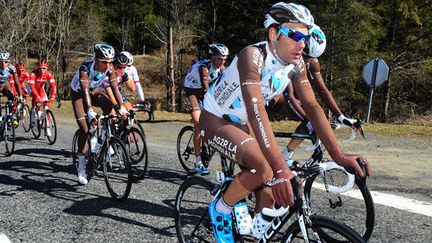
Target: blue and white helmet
pixel 4 55
pixel 316 44
pixel 104 51
pixel 282 12
pixel 218 50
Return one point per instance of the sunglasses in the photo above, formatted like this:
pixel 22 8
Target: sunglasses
pixel 42 68
pixel 106 62
pixel 4 61
pixel 294 35
pixel 222 58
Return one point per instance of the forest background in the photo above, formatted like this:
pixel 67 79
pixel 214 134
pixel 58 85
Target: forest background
pixel 398 31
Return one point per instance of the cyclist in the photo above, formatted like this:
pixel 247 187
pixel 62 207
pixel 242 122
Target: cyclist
pixel 235 123
pixel 23 77
pixel 9 79
pixel 37 80
pixel 88 77
pixel 133 74
pixel 197 81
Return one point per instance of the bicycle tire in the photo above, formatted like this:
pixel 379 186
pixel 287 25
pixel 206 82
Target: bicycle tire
pixel 321 227
pixel 25 117
pixel 35 126
pixel 191 209
pixel 136 146
pixel 50 123
pixel 9 135
pixel 74 150
pixel 359 214
pixel 185 149
pixel 116 169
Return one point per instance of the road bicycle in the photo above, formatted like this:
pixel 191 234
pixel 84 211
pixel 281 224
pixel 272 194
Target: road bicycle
pixel 334 192
pixel 108 156
pixel 132 134
pixel 42 119
pixel 186 151
pixel 193 224
pixel 7 127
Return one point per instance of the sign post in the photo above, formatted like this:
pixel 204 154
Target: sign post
pixel 375 73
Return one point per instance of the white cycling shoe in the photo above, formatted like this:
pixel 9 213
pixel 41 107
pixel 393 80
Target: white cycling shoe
pixel 82 175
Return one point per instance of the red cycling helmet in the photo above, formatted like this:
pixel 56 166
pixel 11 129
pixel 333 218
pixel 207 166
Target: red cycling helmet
pixel 42 63
pixel 20 66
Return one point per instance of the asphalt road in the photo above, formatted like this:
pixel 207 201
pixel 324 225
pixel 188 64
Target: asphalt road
pixel 41 201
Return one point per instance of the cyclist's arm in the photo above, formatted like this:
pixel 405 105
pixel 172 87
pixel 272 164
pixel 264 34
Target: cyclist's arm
pixel 294 101
pixel 130 85
pixel 12 84
pixel 137 83
pixel 17 84
pixel 110 95
pixel 53 88
pixel 112 75
pixel 203 73
pixel 250 64
pixel 35 92
pixel 323 91
pixel 84 82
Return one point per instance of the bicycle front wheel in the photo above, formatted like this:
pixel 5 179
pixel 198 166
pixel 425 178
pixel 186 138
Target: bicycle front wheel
pixel 25 117
pixel 322 229
pixel 35 125
pixel 137 148
pixel 116 169
pixel 354 207
pixel 50 127
pixel 185 149
pixel 9 135
pixel 192 219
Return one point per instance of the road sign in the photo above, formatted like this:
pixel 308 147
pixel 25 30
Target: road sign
pixel 375 72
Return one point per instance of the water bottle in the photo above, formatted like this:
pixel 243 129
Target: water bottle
pixel 93 142
pixel 220 176
pixel 243 218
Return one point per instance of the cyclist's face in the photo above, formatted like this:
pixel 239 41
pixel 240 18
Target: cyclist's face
pixel 105 64
pixel 218 61
pixel 4 63
pixel 287 48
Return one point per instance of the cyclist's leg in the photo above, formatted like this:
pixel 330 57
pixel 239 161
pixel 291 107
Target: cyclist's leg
pixel 194 96
pixel 101 100
pixel 235 143
pixel 79 111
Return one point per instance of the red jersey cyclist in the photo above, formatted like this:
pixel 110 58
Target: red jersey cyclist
pixel 88 77
pixel 37 80
pixel 197 81
pixel 23 77
pixel 234 120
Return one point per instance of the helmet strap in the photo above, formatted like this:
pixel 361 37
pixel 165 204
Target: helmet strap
pixel 280 60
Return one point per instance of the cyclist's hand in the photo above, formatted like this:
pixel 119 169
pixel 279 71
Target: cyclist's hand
pixel 352 164
pixel 123 112
pixel 91 116
pixel 355 124
pixel 281 185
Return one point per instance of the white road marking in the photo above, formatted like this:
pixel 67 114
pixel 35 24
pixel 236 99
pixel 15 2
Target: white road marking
pixel 402 203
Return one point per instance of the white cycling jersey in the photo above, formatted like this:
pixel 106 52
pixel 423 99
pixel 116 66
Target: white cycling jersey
pixel 224 98
pixel 193 79
pixel 95 78
pixel 132 72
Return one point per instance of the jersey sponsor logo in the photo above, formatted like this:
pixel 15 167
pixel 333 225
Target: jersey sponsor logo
pixel 258 60
pixel 224 146
pixel 223 92
pixel 261 126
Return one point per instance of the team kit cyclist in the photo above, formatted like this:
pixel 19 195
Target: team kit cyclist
pixel 196 83
pixel 9 83
pixel 234 119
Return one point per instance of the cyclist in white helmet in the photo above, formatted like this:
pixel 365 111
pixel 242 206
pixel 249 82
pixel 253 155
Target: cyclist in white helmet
pixel 9 81
pixel 85 94
pixel 197 81
pixel 133 74
pixel 234 120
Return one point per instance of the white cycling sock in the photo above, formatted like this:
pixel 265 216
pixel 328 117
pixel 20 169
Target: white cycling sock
pixel 287 153
pixel 198 161
pixel 222 207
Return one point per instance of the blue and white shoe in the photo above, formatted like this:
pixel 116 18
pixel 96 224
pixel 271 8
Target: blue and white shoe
pixel 222 225
pixel 200 169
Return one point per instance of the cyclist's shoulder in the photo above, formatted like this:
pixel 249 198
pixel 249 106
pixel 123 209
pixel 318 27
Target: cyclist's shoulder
pixel 86 65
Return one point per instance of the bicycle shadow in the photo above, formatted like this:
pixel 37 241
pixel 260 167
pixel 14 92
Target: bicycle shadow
pixel 167 175
pixel 43 152
pixel 98 206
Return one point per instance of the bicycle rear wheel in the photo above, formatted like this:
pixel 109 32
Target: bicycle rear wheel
pixel 74 150
pixel 136 146
pixel 322 229
pixel 185 149
pixel 50 127
pixel 354 207
pixel 192 220
pixel 9 135
pixel 116 169
pixel 35 125
pixel 25 117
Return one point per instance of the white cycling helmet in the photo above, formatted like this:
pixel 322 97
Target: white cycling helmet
pixel 4 55
pixel 129 56
pixel 104 51
pixel 282 12
pixel 316 44
pixel 218 50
